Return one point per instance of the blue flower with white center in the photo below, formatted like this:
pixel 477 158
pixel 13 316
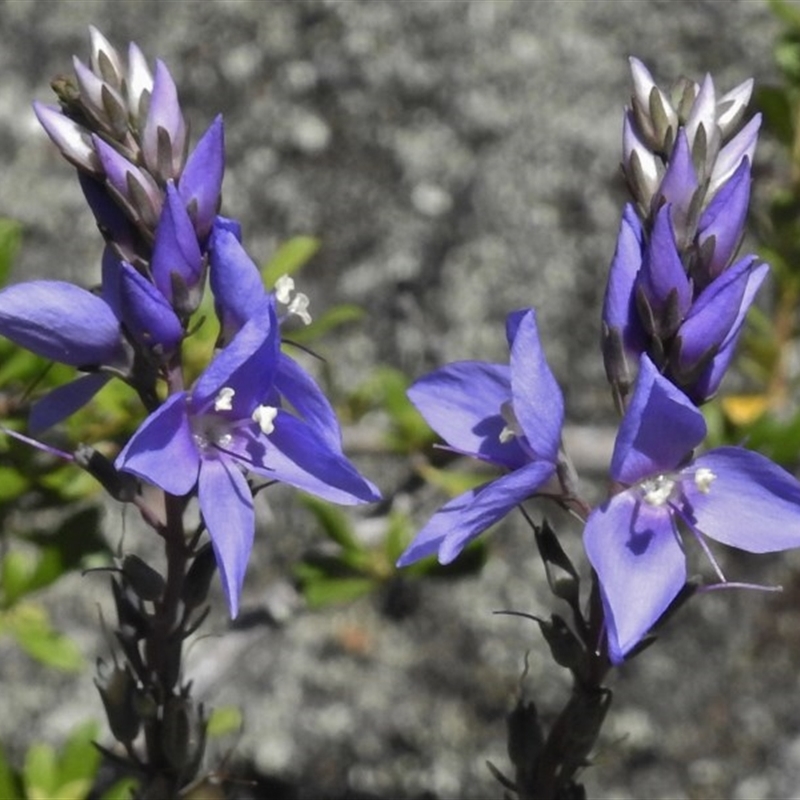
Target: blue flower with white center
pixel 230 423
pixel 506 415
pixel 729 494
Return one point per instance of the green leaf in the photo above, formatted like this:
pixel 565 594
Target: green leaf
pixel 333 521
pixel 452 481
pixel 17 569
pixel 398 535
pixel 331 319
pixel 9 783
pixel 326 591
pixel 10 240
pixel 12 484
pixel 79 759
pixel 40 772
pixel 224 720
pixel 289 258
pixel 121 790
pixel 30 626
pixel 774 104
pixel 788 13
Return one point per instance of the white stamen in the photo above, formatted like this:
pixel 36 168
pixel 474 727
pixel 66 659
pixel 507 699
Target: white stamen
pixel 512 428
pixel 657 491
pixel 264 416
pixel 703 479
pixel 299 307
pixel 284 287
pixel 506 435
pixel 224 398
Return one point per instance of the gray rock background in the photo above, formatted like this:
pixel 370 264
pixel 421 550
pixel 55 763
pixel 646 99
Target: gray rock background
pixel 457 160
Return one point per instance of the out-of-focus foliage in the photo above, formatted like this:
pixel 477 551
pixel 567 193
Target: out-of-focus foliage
pixel 66 774
pixel 767 416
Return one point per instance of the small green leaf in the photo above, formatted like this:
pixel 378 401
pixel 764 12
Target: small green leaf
pixel 121 790
pixel 774 104
pixel 452 481
pixel 331 319
pixel 9 783
pixel 333 521
pixel 40 772
pixel 289 258
pixel 224 720
pixel 398 535
pixel 12 484
pixel 326 591
pixel 31 628
pixel 17 569
pixel 10 240
pixel 79 759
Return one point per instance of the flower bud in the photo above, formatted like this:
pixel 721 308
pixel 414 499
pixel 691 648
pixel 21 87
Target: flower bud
pixel 118 692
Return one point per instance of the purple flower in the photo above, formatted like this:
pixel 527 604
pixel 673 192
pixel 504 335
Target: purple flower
pixel 509 416
pixel 729 494
pixel 65 323
pixel 651 305
pixel 231 422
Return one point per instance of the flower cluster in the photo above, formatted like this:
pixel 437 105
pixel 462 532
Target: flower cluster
pixel 674 308
pixel 253 410
pixel 674 289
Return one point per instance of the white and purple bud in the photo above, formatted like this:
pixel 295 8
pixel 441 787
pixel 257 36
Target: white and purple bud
pixel 101 101
pixel 105 60
pixel 164 138
pixel 73 140
pixel 134 188
pixel 139 84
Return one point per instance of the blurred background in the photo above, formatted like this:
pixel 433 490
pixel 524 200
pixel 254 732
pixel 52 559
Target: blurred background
pixel 455 160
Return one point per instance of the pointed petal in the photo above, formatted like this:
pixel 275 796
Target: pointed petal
pixel 164 113
pixel 660 428
pixel 247 364
pixel 140 80
pixel 462 403
pixel 111 219
pixel 724 219
pixel 619 305
pixel 200 184
pixel 663 272
pixel 714 312
pixel 751 503
pixel 102 50
pixel 743 145
pixel 64 401
pixel 60 321
pixel 704 111
pixel 227 507
pixel 428 541
pixel 294 454
pixel 119 170
pixel 235 279
pixel 73 140
pixel 640 163
pixel 147 315
pixel 538 402
pixel 301 391
pixel 731 106
pixel 706 386
pixel 492 502
pixel 176 248
pixel 639 564
pixel 163 451
pixel 679 183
